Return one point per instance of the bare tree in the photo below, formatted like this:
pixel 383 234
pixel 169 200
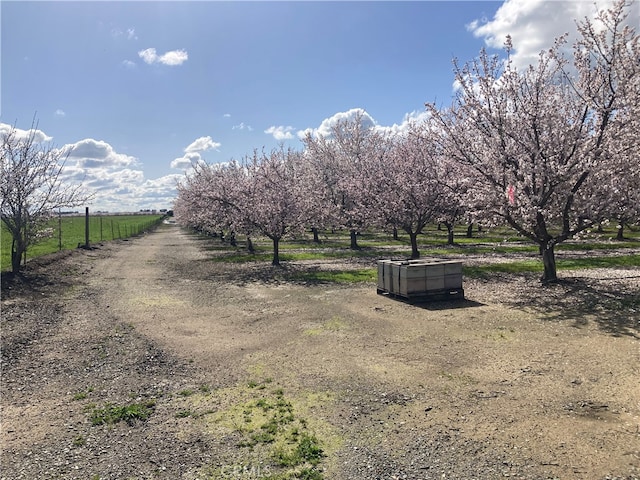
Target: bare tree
pixel 31 187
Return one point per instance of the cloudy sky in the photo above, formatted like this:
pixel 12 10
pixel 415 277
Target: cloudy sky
pixel 139 91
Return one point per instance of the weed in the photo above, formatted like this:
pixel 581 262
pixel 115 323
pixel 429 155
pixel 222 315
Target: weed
pixel 79 441
pixel 309 474
pixel 307 450
pixel 186 413
pixel 204 388
pixel 111 414
pixel 186 393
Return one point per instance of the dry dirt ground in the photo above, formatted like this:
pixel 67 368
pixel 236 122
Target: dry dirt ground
pixel 517 380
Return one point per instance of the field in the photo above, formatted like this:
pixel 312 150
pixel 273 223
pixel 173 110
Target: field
pixel 101 229
pixel 174 356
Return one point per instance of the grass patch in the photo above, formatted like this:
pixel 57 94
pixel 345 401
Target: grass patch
pixel 599 262
pixel 82 395
pixel 273 430
pixel 111 414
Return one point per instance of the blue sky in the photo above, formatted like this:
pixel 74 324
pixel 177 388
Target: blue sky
pixel 137 91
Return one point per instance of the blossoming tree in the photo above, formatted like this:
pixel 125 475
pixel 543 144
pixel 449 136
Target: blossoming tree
pixel 538 142
pixel 342 161
pixel 32 187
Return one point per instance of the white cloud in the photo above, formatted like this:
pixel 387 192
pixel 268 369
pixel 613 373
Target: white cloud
pixel 59 113
pixel 90 153
pixel 171 58
pixel 226 115
pixel 242 126
pixel 324 130
pixel 202 144
pixel 280 133
pixel 367 122
pixel 187 161
pixel 113 179
pixel 534 25
pixel 38 135
pixel 175 57
pixel 131 34
pixel 128 64
pixel 110 176
pixel 149 55
pixel 192 153
pixel 407 121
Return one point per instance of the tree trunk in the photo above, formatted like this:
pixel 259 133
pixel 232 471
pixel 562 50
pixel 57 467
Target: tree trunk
pixel 250 245
pixel 354 240
pixel 470 230
pixel 449 233
pixel 17 251
pixel 316 238
pixel 232 239
pixel 276 252
pixel 620 235
pixel 549 261
pixel 415 253
pixel 395 233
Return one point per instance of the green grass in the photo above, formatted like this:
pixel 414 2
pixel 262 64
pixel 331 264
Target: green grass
pixel 101 229
pixel 111 414
pixel 273 431
pixel 335 246
pixel 376 245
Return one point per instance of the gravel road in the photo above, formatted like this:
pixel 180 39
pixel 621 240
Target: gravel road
pixel 517 380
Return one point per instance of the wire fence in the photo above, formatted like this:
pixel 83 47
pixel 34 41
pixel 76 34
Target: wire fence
pixel 66 232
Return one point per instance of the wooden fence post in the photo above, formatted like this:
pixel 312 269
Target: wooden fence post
pixel 59 229
pixel 86 228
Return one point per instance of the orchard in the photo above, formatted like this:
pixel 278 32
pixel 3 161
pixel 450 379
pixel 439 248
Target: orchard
pixel 551 150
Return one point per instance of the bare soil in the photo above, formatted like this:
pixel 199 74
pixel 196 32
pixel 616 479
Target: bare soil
pixel 517 380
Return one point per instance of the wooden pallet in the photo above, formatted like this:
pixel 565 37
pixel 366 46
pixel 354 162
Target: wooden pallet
pixel 431 296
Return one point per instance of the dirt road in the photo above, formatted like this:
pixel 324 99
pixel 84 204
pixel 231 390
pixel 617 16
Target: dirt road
pixel 513 382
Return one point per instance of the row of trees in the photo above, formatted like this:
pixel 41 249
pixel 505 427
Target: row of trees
pixel 550 150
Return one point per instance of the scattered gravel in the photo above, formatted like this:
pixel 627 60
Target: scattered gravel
pixel 517 381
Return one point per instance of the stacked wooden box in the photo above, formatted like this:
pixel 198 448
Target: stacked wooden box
pixel 420 279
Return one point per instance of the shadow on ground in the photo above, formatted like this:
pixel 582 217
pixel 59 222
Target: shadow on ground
pixel 612 303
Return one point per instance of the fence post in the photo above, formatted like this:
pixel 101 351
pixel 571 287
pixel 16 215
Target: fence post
pixel 59 229
pixel 86 228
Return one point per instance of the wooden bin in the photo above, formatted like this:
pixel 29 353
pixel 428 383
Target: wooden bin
pixel 420 279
